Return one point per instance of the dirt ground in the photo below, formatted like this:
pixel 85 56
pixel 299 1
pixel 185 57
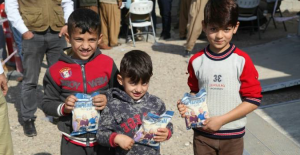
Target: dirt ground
pixel 168 83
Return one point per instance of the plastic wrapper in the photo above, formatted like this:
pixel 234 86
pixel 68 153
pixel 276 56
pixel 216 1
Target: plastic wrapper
pixel 151 123
pixel 197 110
pixel 85 117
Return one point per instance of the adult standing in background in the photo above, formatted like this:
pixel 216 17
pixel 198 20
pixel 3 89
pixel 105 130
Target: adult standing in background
pixel 183 18
pixel 110 16
pixel 194 26
pixel 42 24
pixel 165 7
pixel 6 146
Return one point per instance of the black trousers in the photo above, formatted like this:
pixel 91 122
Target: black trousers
pixel 68 148
pixel 165 7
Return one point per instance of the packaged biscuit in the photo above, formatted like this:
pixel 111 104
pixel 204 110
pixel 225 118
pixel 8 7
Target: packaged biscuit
pixel 85 117
pixel 197 110
pixel 151 123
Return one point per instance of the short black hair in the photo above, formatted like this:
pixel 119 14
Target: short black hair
pixel 136 65
pixel 85 19
pixel 221 13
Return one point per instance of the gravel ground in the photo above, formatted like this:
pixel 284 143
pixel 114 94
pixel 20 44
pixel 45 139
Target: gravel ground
pixel 168 83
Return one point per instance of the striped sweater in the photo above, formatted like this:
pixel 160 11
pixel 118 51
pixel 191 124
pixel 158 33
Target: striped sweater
pixel 229 79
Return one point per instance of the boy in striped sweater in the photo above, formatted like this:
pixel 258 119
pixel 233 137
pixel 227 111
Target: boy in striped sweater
pixel 230 79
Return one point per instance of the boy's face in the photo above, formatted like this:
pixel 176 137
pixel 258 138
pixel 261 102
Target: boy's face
pixel 134 90
pixel 83 45
pixel 219 38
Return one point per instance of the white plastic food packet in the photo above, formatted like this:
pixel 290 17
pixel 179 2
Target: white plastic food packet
pixel 85 117
pixel 151 123
pixel 197 110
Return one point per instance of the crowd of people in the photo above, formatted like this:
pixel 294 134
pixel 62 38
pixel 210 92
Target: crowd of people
pixel 46 26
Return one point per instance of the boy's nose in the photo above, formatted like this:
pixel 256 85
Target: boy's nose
pixel 138 88
pixel 219 34
pixel 85 45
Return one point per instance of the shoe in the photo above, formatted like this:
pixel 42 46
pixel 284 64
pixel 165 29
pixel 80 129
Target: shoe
pixel 187 54
pixel 104 47
pixel 29 128
pixel 116 45
pixel 167 36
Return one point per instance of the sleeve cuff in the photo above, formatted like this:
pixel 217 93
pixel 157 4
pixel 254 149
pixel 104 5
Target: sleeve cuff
pixel 112 139
pixel 169 135
pixel 1 69
pixel 255 101
pixel 60 110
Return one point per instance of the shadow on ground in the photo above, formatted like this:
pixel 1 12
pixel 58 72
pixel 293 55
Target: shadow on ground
pixel 14 95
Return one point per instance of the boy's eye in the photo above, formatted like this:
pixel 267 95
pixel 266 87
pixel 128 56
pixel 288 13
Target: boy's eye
pixel 132 83
pixel 78 39
pixel 227 29
pixel 92 40
pixel 144 84
pixel 213 29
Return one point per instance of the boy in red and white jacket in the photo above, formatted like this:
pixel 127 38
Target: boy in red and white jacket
pixel 230 79
pixel 80 69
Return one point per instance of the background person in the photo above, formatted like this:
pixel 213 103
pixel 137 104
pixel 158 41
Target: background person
pixel 42 24
pixel 6 146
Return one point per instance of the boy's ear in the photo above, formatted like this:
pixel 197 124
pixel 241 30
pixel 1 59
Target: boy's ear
pixel 236 27
pixel 67 37
pixel 100 39
pixel 120 79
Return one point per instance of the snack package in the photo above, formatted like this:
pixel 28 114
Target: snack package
pixel 151 123
pixel 197 110
pixel 85 116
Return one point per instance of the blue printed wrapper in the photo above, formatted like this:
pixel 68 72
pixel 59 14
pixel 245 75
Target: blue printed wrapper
pixel 85 117
pixel 151 123
pixel 197 110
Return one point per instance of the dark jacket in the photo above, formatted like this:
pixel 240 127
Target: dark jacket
pixel 123 115
pixel 65 78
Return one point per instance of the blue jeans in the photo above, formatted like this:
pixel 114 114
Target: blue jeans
pixel 3 53
pixel 48 43
pixel 18 39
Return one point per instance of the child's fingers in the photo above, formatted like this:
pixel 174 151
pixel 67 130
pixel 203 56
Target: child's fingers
pixel 179 102
pixel 159 138
pixel 99 99
pixel 161 134
pixel 162 130
pixel 129 146
pixel 71 98
pixel 99 105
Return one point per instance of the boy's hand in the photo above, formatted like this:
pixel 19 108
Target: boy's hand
pixel 63 31
pixel 213 124
pixel 124 141
pixel 70 103
pixel 161 134
pixel 3 84
pixel 181 108
pixel 119 4
pixel 99 101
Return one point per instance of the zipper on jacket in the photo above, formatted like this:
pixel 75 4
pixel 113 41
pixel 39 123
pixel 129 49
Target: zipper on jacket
pixel 84 79
pixel 87 139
